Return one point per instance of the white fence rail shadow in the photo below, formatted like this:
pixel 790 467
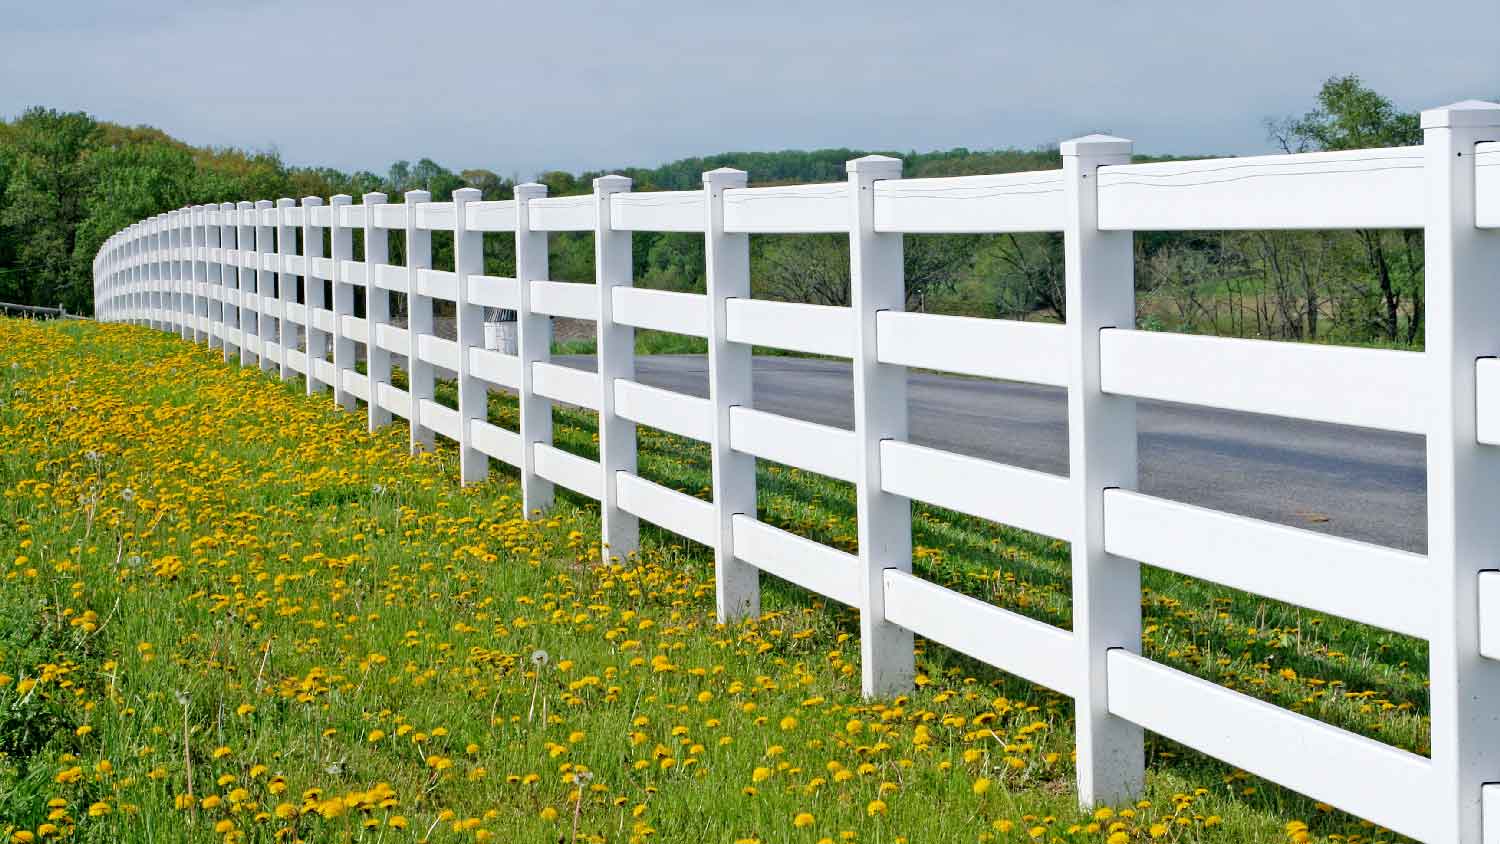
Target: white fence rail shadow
pixel 227 276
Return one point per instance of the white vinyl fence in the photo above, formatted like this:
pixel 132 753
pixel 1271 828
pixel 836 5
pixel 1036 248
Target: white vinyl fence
pixel 227 275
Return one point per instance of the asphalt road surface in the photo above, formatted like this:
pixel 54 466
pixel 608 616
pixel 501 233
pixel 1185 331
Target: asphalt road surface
pixel 1351 482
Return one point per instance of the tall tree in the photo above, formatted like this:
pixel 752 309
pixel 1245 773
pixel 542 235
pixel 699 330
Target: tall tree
pixel 1350 115
pixel 44 203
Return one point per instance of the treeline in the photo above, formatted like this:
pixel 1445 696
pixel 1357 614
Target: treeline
pixel 68 181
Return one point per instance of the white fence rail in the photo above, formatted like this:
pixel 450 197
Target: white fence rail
pixel 227 275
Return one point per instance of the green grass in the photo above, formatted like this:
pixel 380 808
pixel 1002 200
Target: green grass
pixel 208 577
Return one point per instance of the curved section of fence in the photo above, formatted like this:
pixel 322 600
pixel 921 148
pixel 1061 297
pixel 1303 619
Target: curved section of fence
pixel 254 280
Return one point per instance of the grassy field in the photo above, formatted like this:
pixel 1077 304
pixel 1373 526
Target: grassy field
pixel 229 614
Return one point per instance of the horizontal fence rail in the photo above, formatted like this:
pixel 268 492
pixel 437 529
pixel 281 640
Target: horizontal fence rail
pixel 277 286
pixel 37 311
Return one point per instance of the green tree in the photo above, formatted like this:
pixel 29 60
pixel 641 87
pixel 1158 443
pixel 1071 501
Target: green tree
pixel 1350 115
pixel 44 203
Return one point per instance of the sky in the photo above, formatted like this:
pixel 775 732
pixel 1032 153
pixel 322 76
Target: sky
pixel 522 87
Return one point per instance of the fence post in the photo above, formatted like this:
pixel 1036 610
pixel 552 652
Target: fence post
pixel 313 300
pixel 153 274
pixel 173 281
pixel 473 394
pixel 143 258
pixel 533 343
pixel 145 272
pixel 178 311
pixel 167 284
pixel 202 305
pixel 131 272
pixel 116 256
pixel 191 239
pixel 229 278
pixel 187 222
pixel 244 233
pixel 164 272
pixel 164 285
pixel 286 332
pixel 1100 293
pixel 1463 476
pixel 213 275
pixel 877 283
pixel 419 377
pixel 377 311
pixel 169 273
pixel 265 282
pixel 613 267
pixel 251 348
pixel 137 260
pixel 147 316
pixel 341 241
pixel 727 266
pixel 188 304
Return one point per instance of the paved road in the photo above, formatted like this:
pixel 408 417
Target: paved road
pixel 1351 482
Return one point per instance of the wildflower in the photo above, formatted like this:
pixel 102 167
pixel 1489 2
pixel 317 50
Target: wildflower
pixel 981 785
pixel 876 807
pixel 803 819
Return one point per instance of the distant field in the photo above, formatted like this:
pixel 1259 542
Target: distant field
pixel 229 614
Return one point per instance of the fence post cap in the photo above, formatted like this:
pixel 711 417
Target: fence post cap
pixel 464 195
pixel 286 202
pixel 726 177
pixel 613 183
pixel 1097 144
pixel 311 200
pixel 374 197
pixel 530 190
pixel 1469 114
pixel 413 196
pixel 877 165
pixel 340 199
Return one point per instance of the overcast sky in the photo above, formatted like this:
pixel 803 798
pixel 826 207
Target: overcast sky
pixel 557 84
